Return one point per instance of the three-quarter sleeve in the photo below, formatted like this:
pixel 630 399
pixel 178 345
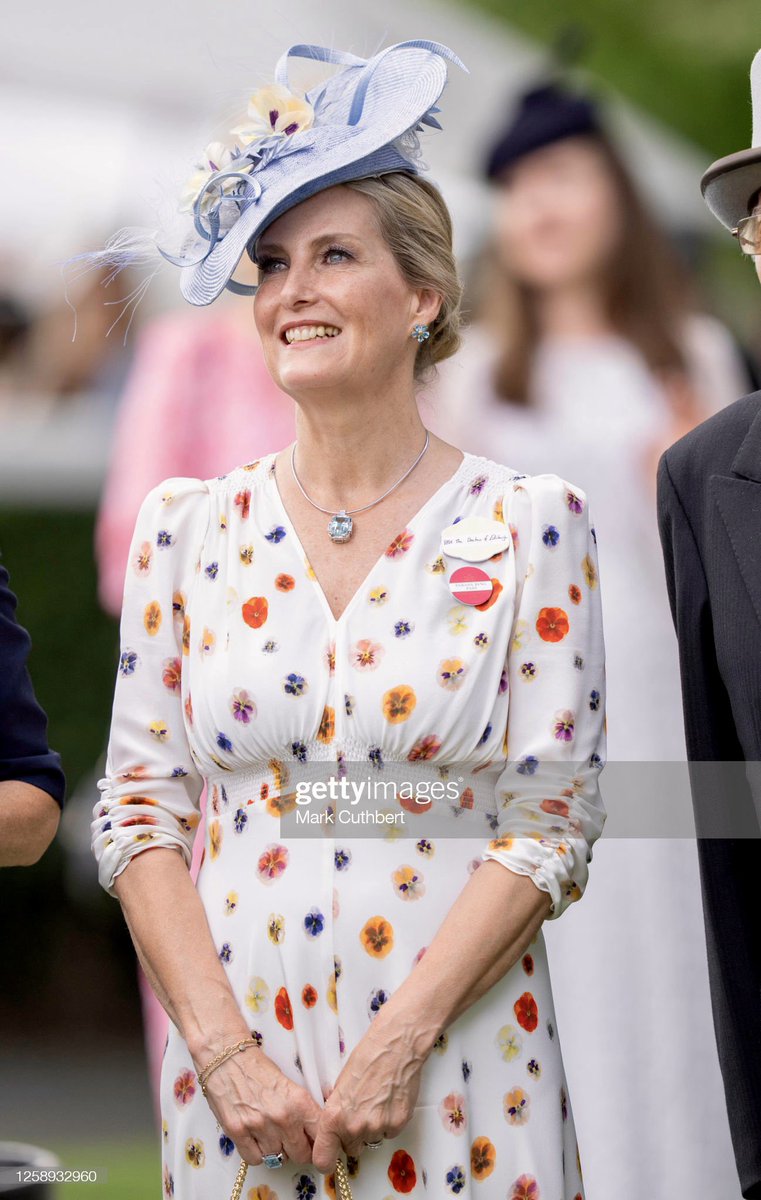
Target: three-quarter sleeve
pixel 549 807
pixel 150 795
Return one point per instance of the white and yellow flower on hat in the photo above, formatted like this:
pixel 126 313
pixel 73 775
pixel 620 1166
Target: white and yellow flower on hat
pixel 272 110
pixel 216 157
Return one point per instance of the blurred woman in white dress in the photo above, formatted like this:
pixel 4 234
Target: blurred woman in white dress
pixel 586 359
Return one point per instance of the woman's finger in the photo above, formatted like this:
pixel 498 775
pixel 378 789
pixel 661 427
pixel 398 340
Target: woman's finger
pixel 297 1145
pixel 326 1149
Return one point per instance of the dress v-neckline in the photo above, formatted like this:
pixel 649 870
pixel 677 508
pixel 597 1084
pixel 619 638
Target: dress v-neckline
pixel 337 622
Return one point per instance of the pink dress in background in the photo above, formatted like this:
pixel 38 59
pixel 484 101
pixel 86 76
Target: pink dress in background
pixel 198 401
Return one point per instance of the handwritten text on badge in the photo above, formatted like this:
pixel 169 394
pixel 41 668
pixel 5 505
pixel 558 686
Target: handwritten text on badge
pixel 475 539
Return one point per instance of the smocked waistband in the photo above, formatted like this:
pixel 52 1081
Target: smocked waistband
pixel 453 785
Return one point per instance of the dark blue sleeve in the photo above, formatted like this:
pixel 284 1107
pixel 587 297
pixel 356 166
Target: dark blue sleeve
pixel 24 752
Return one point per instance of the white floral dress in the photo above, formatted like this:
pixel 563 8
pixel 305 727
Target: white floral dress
pixel 487 720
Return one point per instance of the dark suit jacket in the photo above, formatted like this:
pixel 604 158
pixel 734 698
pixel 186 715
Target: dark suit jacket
pixel 24 751
pixel 709 518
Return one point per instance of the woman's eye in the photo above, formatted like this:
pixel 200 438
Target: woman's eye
pixel 271 266
pixel 267 265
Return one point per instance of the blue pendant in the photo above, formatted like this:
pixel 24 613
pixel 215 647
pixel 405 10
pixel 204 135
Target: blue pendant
pixel 340 526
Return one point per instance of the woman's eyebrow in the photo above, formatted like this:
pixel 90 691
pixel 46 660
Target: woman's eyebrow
pixel 273 247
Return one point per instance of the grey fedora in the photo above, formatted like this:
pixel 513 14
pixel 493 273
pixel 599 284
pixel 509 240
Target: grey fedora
pixel 730 184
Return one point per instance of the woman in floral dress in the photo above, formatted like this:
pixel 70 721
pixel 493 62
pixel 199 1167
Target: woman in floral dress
pixel 401 735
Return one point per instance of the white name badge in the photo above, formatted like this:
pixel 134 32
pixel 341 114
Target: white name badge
pixel 475 539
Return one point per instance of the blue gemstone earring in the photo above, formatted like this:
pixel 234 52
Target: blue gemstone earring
pixel 420 332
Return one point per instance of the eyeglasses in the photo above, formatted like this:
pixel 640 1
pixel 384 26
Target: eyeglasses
pixel 748 234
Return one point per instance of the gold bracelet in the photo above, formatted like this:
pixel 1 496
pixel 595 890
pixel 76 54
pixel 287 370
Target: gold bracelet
pixel 204 1074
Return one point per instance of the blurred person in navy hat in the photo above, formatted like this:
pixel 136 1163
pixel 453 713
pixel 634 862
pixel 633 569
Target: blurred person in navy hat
pixel 546 113
pixel 588 354
pixel 709 515
pixel 32 783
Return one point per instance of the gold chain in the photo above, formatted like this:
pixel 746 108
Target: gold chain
pixel 342 1181
pixel 343 1188
pixel 240 1179
pixel 228 1051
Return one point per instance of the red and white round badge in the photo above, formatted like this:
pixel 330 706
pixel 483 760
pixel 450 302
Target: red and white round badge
pixel 470 585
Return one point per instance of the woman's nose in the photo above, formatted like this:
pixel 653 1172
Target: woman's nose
pixel 298 285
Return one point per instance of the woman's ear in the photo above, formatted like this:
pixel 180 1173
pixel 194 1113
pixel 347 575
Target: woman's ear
pixel 429 306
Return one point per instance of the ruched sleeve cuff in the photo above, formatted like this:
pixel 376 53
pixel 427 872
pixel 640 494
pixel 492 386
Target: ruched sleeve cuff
pixel 150 794
pixel 550 810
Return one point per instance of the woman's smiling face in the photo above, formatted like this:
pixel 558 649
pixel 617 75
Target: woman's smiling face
pixel 333 309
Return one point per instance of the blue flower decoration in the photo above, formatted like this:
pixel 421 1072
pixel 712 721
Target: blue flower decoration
pixel 224 742
pixel 240 820
pixel 455 1178
pixel 342 859
pixel 306 1188
pixel 486 734
pixel 299 751
pixel 294 685
pixel 226 953
pixel 276 534
pixel 528 765
pixel 164 538
pixel 226 1145
pixel 377 999
pixel 550 536
pixel 467 1069
pixel 314 922
pixel 375 756
pixel 403 629
pixel 594 700
pixel 128 662
pixel 212 570
pixel 179 772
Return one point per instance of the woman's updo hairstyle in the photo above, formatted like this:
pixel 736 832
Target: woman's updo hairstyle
pixel 415 223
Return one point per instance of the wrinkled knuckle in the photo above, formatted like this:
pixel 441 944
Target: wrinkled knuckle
pixel 237 1129
pixel 280 1115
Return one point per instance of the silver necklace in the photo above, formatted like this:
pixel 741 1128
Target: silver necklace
pixel 340 525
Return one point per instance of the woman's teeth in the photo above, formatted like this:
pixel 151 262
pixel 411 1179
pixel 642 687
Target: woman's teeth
pixel 303 333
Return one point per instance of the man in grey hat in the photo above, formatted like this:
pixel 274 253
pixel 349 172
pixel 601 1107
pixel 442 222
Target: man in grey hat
pixel 709 518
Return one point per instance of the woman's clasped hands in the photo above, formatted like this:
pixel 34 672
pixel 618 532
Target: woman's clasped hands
pixel 264 1112
pixel 261 1109
pixel 373 1097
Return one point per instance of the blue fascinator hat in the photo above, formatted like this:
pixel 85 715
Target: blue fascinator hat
pixel 545 114
pixel 364 120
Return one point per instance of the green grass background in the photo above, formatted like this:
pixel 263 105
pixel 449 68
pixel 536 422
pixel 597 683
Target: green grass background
pixel 686 62
pixel 133 1170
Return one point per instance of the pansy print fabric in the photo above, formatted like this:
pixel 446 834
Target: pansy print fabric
pixel 233 670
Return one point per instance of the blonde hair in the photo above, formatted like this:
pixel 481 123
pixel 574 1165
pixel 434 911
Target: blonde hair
pixel 416 225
